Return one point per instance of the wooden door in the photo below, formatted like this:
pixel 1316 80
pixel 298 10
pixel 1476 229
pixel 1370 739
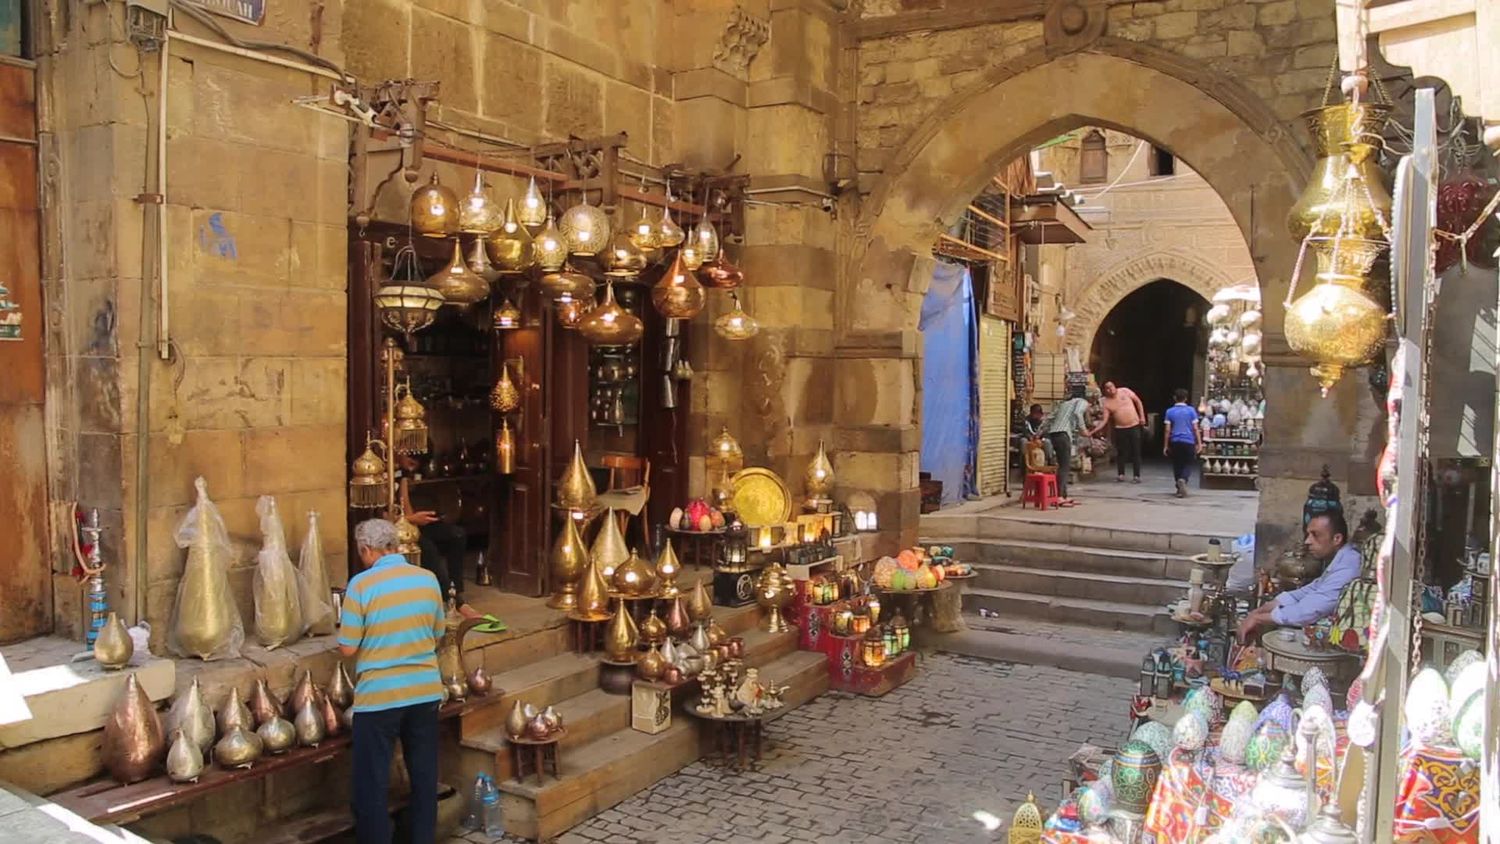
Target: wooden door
pixel 25 570
pixel 519 542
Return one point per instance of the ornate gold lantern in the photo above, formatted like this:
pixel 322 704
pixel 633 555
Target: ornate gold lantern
pixel 367 481
pixel 409 541
pixel 411 423
pixel 872 648
pixel 510 247
pixel 623 259
pixel 478 214
pixel 736 546
pixel 608 324
pixel 1347 190
pixel 678 295
pixel 533 206
pixel 722 273
pixel 1338 323
pixel 736 324
pixel 507 316
pixel 668 233
pixel 724 452
pixel 505 450
pixel 504 397
pixel 568 562
pixel 457 283
pixel 643 234
pixel 1026 823
pixel 549 248
pixel 819 481
pixel 404 302
pixel 585 228
pixel 574 285
pixel 575 489
pixel 434 209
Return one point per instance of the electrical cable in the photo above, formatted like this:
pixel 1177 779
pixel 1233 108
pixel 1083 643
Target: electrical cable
pixel 207 20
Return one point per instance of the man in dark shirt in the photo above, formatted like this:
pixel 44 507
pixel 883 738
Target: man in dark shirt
pixel 443 544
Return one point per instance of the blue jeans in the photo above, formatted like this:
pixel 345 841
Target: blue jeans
pixel 375 734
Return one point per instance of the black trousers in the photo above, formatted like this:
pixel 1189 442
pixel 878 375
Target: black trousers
pixel 443 547
pixel 1062 449
pixel 1184 455
pixel 375 735
pixel 1128 449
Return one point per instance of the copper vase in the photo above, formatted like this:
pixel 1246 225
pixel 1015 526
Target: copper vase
pixel 567 563
pixel 620 636
pixel 480 682
pixel 329 712
pixel 234 713
pixel 133 741
pixel 678 622
pixel 263 703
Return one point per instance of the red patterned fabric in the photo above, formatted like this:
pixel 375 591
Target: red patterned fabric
pixel 1174 814
pixel 1439 798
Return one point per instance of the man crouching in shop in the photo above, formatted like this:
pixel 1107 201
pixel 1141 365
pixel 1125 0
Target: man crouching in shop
pixel 392 621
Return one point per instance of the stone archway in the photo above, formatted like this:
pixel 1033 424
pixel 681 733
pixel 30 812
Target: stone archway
pixel 1229 136
pixel 1099 298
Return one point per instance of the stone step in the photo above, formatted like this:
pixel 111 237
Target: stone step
pixel 1108 615
pixel 937 528
pixel 601 773
pixel 1057 556
pixel 1088 650
pixel 1064 583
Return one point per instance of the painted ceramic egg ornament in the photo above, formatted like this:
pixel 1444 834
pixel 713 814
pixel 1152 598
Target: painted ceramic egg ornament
pixel 1134 776
pixel 1157 736
pixel 1205 702
pixel 1465 685
pixel 1235 739
pixel 1314 677
pixel 1468 727
pixel 1093 807
pixel 1280 711
pixel 1427 708
pixel 1461 662
pixel 1191 731
pixel 1265 746
pixel 1318 696
pixel 1244 710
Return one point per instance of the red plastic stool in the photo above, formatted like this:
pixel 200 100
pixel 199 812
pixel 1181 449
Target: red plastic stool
pixel 1040 490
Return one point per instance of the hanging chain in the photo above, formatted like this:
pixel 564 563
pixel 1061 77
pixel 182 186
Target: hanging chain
pixel 1419 551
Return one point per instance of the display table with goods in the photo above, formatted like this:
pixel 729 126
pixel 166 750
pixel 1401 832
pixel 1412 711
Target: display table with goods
pixel 736 704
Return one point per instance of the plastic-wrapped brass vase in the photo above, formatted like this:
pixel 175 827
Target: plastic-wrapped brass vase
pixel 312 580
pixel 193 717
pixel 113 648
pixel 205 621
pixel 133 741
pixel 278 605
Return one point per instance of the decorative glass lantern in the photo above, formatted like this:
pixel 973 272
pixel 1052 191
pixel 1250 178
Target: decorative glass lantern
pixel 903 632
pixel 507 316
pixel 872 648
pixel 892 644
pixel 1148 675
pixel 872 605
pixel 843 620
pixel 765 543
pixel 860 623
pixel 736 545
pixel 549 248
pixel 367 481
pixel 585 228
pixel 643 234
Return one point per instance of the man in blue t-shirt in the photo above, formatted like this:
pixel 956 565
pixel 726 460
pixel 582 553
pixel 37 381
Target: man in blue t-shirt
pixel 1184 440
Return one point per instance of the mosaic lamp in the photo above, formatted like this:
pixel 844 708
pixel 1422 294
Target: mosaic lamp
pixel 585 228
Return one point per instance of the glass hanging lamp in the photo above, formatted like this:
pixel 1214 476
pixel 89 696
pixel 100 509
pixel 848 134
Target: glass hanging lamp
pixel 736 324
pixel 478 214
pixel 644 234
pixel 668 234
pixel 550 248
pixel 533 207
pixel 434 209
pixel 510 246
pixel 585 228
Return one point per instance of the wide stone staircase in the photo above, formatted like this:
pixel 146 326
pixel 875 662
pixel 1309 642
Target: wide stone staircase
pixel 1099 594
pixel 602 760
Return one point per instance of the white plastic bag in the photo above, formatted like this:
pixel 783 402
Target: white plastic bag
pixel 278 608
pixel 312 582
pixel 206 621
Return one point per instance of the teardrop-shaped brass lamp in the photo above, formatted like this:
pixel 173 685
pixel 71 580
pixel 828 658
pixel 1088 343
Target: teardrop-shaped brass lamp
pixel 623 259
pixel 736 324
pixel 609 551
pixel 593 596
pixel 457 283
pixel 505 449
pixel 568 282
pixel 635 578
pixel 549 247
pixel 478 213
pixel 668 233
pixel 653 629
pixel 184 759
pixel 133 741
pixel 239 748
pixel 113 648
pixel 575 489
pixel 818 479
pixel 721 273
pixel 608 324
pixel 533 207
pixel 667 569
pixel 567 563
pixel 193 717
pixel 621 636
pixel 507 317
pixel 434 209
pixel 706 237
pixel 691 256
pixel 585 228
pixel 504 397
pixel 699 605
pixel 510 246
pixel 643 233
pixel 263 703
pixel 678 295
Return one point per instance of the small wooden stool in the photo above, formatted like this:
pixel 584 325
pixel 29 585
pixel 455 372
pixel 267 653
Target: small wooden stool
pixel 1040 490
pixel 525 752
pixel 587 633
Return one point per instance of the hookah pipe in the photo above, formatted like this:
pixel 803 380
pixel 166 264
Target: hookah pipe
pixel 88 567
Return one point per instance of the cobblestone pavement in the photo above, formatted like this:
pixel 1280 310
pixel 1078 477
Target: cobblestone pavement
pixel 964 737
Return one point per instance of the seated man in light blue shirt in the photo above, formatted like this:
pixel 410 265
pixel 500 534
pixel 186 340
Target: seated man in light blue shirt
pixel 1327 540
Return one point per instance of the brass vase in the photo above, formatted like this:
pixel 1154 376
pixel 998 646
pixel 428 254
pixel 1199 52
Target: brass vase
pixel 458 284
pixel 1346 138
pixel 206 620
pixel 716 634
pixel 700 605
pixel 434 209
pixel 480 682
pixel 567 563
pixel 608 324
pixel 277 735
pixel 772 591
pixel 678 622
pixel 593 597
pixel 309 724
pixel 515 722
pixel 234 713
pixel 133 742
pixel 301 693
pixel 635 578
pixel 263 703
pixel 238 749
pixel 504 397
pixel 679 294
pixel 184 759
pixel 193 717
pixel 651 664
pixel 575 490
pixel 609 551
pixel 653 629
pixel 509 248
pixel 329 712
pixel 340 687
pixel 113 647
pixel 667 569
pixel 621 636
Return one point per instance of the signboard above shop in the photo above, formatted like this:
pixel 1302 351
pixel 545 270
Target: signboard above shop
pixel 245 11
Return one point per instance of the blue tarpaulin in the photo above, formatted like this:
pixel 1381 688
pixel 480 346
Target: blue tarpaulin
pixel 950 343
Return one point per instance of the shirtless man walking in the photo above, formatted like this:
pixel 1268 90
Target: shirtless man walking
pixel 1127 416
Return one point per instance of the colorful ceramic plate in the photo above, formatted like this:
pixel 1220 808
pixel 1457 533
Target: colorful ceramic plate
pixel 761 498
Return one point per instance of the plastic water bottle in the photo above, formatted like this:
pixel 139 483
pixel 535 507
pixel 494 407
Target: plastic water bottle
pixel 474 818
pixel 494 826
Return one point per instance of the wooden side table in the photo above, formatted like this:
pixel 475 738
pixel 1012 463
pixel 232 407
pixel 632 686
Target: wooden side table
pixel 535 754
pixel 587 633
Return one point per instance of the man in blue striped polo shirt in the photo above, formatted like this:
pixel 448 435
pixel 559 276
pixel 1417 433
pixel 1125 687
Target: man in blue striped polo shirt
pixel 392 621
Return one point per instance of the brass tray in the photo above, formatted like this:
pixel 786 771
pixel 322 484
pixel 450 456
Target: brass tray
pixel 761 498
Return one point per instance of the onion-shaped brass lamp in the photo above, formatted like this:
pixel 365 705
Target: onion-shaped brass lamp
pixel 409 541
pixel 736 324
pixel 504 396
pixel 1338 324
pixel 678 295
pixel 411 423
pixel 608 324
pixel 478 213
pixel 533 207
pixel 434 209
pixel 367 481
pixel 623 259
pixel 644 234
pixel 570 311
pixel 725 450
pixel 568 283
pixel 585 228
pixel 507 316
pixel 457 283
pixel 510 246
pixel 549 247
pixel 722 273
pixel 668 233
pixel 1347 189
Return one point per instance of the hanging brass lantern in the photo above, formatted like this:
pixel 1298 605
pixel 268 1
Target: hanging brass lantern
pixel 691 256
pixel 1337 323
pixel 1347 182
pixel 510 247
pixel 533 207
pixel 706 237
pixel 505 449
pixel 434 209
pixel 478 261
pixel 621 636
pixel 593 596
pixel 736 324
pixel 668 233
pixel 818 480
pixel 568 563
pixel 725 450
pixel 575 489
pixel 404 302
pixel 667 569
pixel 585 228
pixel 722 273
pixel 575 285
pixel 504 397
pixel 608 324
pixel 457 284
pixel 623 259
pixel 549 248
pixel 367 480
pixel 634 578
pixel 609 551
pixel 644 234
pixel 507 316
pixel 570 311
pixel 411 423
pixel 409 541
pixel 678 295
pixel 478 214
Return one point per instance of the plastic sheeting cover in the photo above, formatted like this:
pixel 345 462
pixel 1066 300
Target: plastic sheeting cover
pixel 950 344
